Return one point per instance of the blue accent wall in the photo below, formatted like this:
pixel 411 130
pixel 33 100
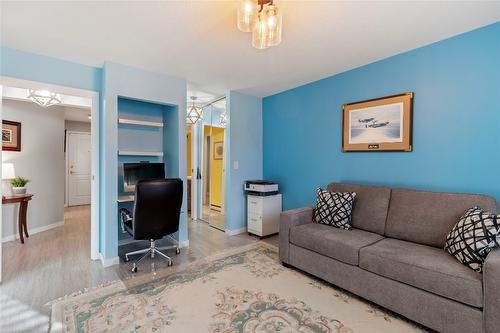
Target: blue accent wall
pixel 456 126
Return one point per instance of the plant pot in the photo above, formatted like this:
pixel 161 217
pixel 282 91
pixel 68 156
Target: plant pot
pixel 19 190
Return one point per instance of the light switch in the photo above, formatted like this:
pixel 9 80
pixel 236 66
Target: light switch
pixel 236 165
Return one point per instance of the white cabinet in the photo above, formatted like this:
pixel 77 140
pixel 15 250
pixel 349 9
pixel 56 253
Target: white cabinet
pixel 263 214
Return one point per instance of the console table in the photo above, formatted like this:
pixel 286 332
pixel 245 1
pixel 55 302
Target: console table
pixel 23 208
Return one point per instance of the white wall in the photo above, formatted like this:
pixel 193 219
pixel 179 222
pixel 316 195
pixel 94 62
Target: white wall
pixel 41 160
pixel 78 126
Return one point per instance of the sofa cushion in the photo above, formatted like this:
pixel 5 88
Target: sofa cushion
pixel 334 208
pixel 424 267
pixel 340 244
pixel 473 237
pixel 427 217
pixel 371 205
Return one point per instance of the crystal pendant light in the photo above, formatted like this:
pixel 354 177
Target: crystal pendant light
pixel 194 113
pixel 44 98
pixel 267 29
pixel 223 119
pixel 247 15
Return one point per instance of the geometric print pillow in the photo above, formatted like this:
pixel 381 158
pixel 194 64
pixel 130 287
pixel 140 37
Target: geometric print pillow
pixel 473 237
pixel 334 208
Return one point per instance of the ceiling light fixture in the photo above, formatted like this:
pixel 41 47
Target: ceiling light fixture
pixel 44 98
pixel 223 119
pixel 194 113
pixel 263 19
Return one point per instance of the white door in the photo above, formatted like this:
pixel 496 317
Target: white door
pixel 78 147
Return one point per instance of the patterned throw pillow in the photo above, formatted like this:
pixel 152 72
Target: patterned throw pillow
pixel 473 237
pixel 334 208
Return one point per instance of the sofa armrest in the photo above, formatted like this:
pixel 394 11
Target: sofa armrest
pixel 289 219
pixel 491 289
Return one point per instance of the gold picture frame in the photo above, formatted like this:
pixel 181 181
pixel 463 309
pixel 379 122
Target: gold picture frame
pixel 380 124
pixel 218 150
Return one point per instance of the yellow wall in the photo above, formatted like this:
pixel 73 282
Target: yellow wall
pixel 216 192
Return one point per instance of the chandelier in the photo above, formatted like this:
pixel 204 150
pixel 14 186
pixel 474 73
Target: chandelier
pixel 44 98
pixel 263 19
pixel 223 119
pixel 194 113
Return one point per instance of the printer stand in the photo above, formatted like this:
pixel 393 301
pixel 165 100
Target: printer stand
pixel 263 217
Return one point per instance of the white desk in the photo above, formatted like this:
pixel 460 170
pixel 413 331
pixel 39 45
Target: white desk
pixel 126 198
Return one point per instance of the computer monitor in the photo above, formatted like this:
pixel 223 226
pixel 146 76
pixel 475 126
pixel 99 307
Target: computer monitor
pixel 133 172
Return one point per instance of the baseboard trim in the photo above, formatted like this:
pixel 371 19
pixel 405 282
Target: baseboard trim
pixel 34 231
pixel 181 244
pixel 236 231
pixel 126 241
pixel 109 262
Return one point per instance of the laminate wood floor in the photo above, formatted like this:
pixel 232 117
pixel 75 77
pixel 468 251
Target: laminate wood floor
pixel 57 262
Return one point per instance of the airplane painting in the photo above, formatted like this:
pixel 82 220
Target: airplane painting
pixel 380 124
pixel 367 120
pixel 376 124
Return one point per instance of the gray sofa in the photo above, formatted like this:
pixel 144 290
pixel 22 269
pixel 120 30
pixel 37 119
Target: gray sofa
pixel 394 256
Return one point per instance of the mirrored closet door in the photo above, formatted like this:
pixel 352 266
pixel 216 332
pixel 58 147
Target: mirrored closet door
pixel 212 143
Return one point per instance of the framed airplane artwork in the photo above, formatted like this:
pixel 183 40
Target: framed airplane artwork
pixel 381 124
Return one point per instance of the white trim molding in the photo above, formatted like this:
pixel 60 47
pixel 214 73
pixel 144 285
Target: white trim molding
pixel 109 262
pixel 236 231
pixel 34 231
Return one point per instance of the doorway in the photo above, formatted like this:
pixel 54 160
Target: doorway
pixel 78 168
pixel 206 159
pixel 213 148
pixel 15 90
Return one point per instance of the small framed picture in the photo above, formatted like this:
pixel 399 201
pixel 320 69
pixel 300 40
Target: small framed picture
pixel 218 150
pixel 11 135
pixel 381 124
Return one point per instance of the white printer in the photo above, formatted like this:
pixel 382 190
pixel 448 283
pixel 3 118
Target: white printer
pixel 261 187
pixel 263 207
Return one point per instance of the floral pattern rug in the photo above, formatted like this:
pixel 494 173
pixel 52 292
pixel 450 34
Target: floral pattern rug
pixel 239 291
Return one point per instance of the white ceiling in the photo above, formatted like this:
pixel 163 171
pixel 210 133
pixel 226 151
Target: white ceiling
pixel 199 41
pixel 76 114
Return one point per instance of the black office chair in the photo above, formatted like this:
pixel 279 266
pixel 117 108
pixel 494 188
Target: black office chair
pixel 157 209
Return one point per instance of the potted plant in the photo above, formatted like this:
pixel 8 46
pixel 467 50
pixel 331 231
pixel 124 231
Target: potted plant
pixel 19 185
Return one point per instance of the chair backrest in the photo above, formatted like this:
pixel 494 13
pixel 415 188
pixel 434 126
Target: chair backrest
pixel 157 208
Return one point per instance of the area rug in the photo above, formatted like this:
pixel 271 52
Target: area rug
pixel 242 290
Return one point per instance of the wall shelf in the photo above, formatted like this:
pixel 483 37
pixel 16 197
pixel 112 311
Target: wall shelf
pixel 140 153
pixel 139 122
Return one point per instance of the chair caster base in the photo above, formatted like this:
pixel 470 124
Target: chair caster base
pixel 169 264
pixel 134 269
pixel 177 250
pixel 126 259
